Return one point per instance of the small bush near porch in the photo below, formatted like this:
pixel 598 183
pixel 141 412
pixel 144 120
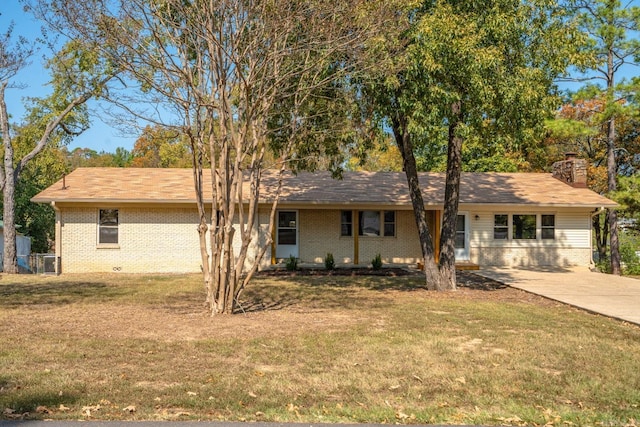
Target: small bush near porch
pixel 309 349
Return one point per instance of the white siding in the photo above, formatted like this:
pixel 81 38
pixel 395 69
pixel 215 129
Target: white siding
pixel 571 246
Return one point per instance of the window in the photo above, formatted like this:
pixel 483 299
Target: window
pixel 287 229
pixel 346 223
pixel 369 222
pixel 548 226
pixel 460 232
pixel 501 227
pixel 524 227
pixel 108 226
pixel 389 223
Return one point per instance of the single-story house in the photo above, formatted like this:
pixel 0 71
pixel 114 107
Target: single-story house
pixel 144 220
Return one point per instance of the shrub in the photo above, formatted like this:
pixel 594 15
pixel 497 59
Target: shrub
pixel 292 263
pixel 376 263
pixel 329 262
pixel 629 258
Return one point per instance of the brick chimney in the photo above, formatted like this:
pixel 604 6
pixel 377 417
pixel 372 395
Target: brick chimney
pixel 571 170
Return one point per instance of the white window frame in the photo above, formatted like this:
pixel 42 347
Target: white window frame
pixel 539 226
pixel 543 227
pixel 381 223
pixel 99 226
pixel 493 227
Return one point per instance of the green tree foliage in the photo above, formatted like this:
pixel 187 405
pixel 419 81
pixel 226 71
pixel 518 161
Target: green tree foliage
pixel 77 75
pixel 87 157
pixel 475 72
pixel 628 195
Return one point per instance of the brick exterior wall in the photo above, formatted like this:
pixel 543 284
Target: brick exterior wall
pixel 165 240
pixel 320 233
pixel 149 240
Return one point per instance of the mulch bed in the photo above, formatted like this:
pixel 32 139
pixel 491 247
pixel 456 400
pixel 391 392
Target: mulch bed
pixel 465 279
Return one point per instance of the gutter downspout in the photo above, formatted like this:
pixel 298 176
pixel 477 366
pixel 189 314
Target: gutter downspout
pixel 58 241
pixel 597 211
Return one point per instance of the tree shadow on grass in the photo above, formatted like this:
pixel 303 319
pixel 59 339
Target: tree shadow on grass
pixel 15 295
pixel 343 291
pixel 20 403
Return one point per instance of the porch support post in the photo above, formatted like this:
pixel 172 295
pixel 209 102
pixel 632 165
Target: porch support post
pixel 437 221
pixel 356 241
pixel 273 242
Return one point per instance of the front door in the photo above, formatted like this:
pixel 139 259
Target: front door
pixel 287 234
pixel 462 237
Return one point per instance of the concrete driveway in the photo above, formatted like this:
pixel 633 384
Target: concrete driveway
pixel 613 296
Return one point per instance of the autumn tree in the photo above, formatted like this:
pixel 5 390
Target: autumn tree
pixel 610 26
pixel 238 79
pixel 475 73
pixel 158 147
pixel 581 127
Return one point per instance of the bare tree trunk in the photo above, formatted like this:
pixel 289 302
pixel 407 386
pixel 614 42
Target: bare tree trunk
pixel 8 186
pixel 601 236
pixel 403 140
pixel 451 198
pixel 10 257
pixel 612 169
pixel 612 214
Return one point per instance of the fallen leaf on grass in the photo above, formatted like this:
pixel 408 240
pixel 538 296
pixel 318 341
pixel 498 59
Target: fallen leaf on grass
pixel 394 387
pixel 63 408
pixel 86 410
pixel 12 414
pixel 192 393
pixel 18 416
pixel 42 410
pixel 512 421
pixel 461 380
pixel 293 408
pixel 130 409
pixel 252 394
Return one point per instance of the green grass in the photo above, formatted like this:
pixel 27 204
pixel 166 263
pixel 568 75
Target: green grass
pixel 309 349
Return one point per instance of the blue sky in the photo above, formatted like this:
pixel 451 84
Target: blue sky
pixel 101 136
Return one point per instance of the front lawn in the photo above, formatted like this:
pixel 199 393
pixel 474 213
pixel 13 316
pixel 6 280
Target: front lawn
pixel 309 349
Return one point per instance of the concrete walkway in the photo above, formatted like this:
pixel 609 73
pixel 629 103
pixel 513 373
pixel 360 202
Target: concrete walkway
pixel 612 296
